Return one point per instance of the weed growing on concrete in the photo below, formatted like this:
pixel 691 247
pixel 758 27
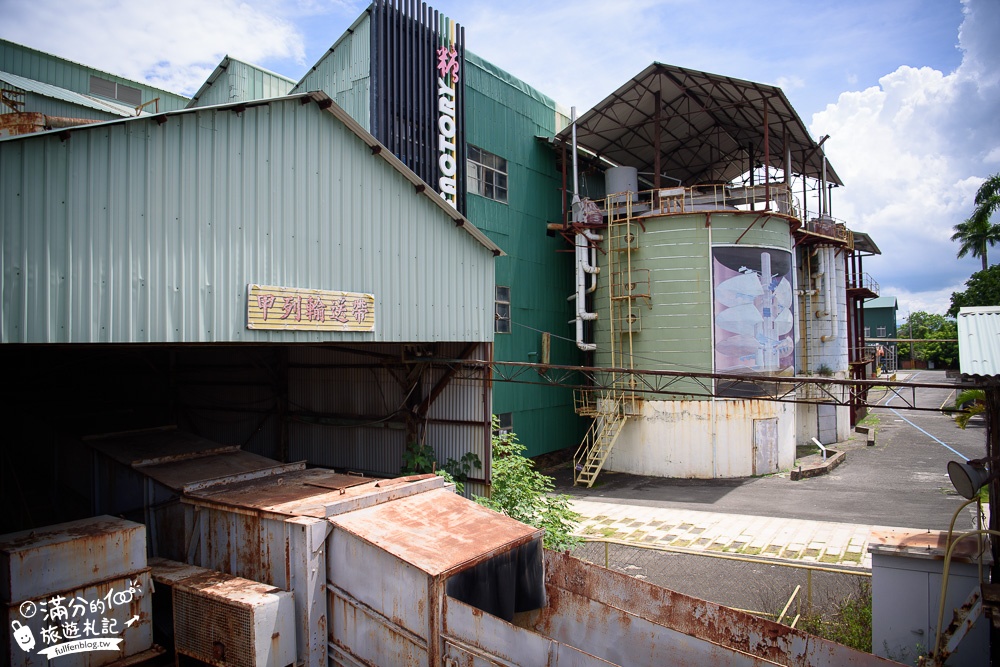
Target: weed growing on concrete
pixel 850 624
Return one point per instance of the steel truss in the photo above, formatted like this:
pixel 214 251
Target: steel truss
pixel 658 384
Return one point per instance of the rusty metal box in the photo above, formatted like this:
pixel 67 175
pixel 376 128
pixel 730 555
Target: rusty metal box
pixel 87 626
pixel 69 556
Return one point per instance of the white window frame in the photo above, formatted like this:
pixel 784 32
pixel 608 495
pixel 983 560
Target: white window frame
pixel 486 174
pixel 501 311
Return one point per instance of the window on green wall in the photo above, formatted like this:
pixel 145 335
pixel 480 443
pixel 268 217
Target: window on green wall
pixel 487 174
pixel 502 324
pixel 880 331
pixel 506 422
pixel 868 332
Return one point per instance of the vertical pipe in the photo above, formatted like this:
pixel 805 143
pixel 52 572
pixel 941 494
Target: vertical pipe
pixel 824 210
pixel 576 177
pixel 656 148
pixel 563 183
pixel 767 159
pixel 788 160
pixel 805 191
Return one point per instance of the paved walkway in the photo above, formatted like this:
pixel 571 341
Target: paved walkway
pixel 819 542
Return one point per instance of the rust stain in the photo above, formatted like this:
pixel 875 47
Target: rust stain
pixel 727 628
pixel 437 531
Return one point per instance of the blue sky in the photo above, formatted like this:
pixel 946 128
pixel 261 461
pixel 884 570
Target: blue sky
pixel 908 89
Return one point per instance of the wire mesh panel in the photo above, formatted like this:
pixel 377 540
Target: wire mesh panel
pixel 210 630
pixel 757 585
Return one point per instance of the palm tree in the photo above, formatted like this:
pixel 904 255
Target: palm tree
pixel 977 233
pixel 970 403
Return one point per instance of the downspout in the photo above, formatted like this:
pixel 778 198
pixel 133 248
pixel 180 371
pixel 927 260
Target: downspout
pixel 830 280
pixel 582 244
pixel 711 334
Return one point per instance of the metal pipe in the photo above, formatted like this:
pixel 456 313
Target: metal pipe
pixel 944 583
pixel 824 205
pixel 767 160
pixel 576 173
pixel 582 243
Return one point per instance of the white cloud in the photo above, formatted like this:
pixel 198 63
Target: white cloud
pixel 174 46
pixel 790 82
pixel 912 152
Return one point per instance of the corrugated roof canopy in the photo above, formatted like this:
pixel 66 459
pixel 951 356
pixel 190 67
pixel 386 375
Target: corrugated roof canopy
pixel 979 340
pixel 706 124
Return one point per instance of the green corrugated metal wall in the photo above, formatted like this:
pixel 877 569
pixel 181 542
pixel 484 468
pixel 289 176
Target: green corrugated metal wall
pixel 344 73
pixel 676 328
pixel 51 69
pixel 504 116
pixel 242 82
pixel 140 232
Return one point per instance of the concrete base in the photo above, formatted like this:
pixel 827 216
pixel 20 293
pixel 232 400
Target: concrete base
pixel 814 469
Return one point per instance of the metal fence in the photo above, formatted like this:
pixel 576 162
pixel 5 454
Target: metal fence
pixel 764 587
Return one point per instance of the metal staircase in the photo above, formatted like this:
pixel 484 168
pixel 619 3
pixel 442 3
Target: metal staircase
pixel 600 439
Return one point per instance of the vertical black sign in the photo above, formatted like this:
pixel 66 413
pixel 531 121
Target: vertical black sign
pixel 420 123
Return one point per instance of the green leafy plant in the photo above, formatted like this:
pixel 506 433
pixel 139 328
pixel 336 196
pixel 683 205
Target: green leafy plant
pixel 420 459
pixel 524 494
pixel 824 371
pixel 970 402
pixel 850 624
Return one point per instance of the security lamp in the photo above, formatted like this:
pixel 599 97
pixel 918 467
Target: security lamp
pixel 968 477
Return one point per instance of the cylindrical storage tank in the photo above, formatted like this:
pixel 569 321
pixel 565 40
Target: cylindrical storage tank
pixel 703 296
pixel 621 179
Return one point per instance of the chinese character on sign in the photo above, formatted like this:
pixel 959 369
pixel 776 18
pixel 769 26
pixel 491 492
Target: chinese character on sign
pixel 448 62
pixel 299 309
pixel 338 311
pixel 360 310
pixel 315 309
pixel 293 306
pixel 265 302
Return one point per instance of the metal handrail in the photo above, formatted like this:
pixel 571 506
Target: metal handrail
pixel 590 439
pixel 863 280
pixel 776 197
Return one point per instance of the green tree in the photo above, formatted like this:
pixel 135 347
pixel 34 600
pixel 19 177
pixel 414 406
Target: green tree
pixel 523 493
pixel 981 289
pixel 977 233
pixel 937 330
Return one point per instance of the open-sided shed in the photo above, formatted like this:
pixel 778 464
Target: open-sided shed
pixel 261 274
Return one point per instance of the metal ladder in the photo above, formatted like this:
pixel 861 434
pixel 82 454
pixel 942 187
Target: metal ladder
pixel 599 441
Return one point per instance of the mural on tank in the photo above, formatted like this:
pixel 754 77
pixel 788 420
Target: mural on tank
pixel 753 317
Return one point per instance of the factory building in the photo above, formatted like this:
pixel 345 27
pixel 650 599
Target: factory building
pixel 141 250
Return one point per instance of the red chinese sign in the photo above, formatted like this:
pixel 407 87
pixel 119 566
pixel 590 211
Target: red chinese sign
pixel 288 308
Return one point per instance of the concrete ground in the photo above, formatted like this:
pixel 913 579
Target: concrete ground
pixel 901 481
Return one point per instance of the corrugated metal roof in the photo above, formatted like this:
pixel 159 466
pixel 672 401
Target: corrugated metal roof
pixel 437 531
pixel 979 340
pixel 48 68
pixel 881 302
pixel 55 92
pixel 707 120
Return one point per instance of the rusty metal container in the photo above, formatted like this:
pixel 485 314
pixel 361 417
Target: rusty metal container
pixel 226 620
pixel 77 591
pixel 66 556
pixel 104 622
pixel 389 567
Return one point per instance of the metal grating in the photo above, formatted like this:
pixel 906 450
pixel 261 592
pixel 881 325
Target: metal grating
pixel 213 631
pixel 102 87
